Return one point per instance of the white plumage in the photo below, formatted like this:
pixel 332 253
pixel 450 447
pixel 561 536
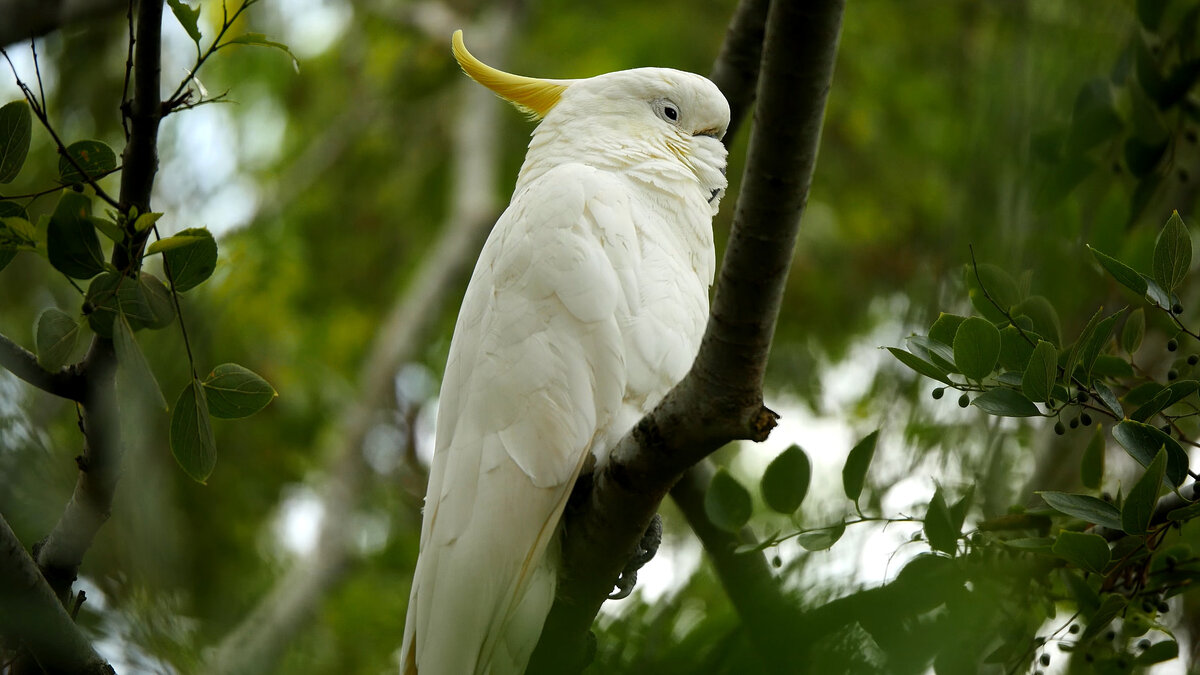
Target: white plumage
pixel 586 306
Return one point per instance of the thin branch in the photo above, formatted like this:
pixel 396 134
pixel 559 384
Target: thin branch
pixel 56 188
pixel 720 399
pixel 99 466
pixel 21 362
pixel 34 617
pixel 178 99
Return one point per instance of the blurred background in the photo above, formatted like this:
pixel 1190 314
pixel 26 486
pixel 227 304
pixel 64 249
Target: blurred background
pixel 350 191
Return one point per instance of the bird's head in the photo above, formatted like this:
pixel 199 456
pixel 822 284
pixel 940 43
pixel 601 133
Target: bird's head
pixel 658 120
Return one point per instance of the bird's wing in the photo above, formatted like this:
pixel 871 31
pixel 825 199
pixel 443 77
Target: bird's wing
pixel 536 369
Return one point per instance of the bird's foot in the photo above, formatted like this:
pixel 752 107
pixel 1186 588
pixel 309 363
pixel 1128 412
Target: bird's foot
pixel 646 549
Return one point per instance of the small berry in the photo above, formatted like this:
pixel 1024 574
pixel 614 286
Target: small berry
pixel 777 562
pixel 1166 429
pixel 964 401
pixel 1045 660
pixel 1074 629
pixel 938 393
pixel 1110 635
pixel 1172 345
pixel 1083 397
pixel 1163 607
pixel 1075 423
pixel 1177 308
pixel 1085 419
pixel 1193 360
pixel 1172 374
pixel 1059 428
pixel 1143 644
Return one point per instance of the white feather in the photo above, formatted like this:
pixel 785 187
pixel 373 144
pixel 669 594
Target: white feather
pixel 585 307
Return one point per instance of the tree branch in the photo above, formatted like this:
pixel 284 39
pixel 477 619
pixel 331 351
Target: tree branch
pixel 100 465
pixel 736 70
pixel 34 617
pixel 256 644
pixel 21 362
pixel 25 19
pixel 720 399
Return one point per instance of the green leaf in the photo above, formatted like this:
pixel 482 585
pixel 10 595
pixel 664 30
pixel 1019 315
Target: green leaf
pixel 94 157
pixel 1184 513
pixel 71 241
pixel 1044 317
pixel 234 392
pixel 1005 402
pixel 1095 342
pixel 1015 349
pixel 260 40
pixel 1143 441
pixel 192 262
pixel 1133 331
pixel 999 284
pixel 1167 650
pixel 938 353
pixel 134 364
pixel 854 472
pixel 944 328
pixel 55 337
pixel 1110 366
pixel 1077 348
pixel 1164 399
pixel 1108 610
pixel 727 503
pixel 1109 399
pixel 145 302
pixel 786 480
pixel 976 348
pixel 188 18
pixel 1041 373
pixel 1139 504
pixel 819 540
pixel 1086 551
pixel 108 228
pixel 1123 273
pixel 1088 508
pixel 939 529
pixel 1172 254
pixel 145 221
pixel 177 241
pixel 1085 596
pixel 1091 467
pixel 15 127
pixel 1156 294
pixel 191 434
pixel 921 366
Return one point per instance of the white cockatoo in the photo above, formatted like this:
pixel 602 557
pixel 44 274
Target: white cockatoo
pixel 586 306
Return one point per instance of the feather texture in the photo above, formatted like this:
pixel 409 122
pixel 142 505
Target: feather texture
pixel 585 307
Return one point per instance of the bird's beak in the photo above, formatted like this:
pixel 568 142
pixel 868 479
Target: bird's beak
pixel 531 95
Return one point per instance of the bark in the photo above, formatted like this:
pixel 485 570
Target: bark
pixel 720 399
pixel 25 19
pixel 35 619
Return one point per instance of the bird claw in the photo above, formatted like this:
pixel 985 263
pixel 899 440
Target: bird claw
pixel 647 547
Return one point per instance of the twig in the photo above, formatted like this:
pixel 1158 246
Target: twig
pixel 66 383
pixel 177 99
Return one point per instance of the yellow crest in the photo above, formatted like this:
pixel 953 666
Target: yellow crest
pixel 531 95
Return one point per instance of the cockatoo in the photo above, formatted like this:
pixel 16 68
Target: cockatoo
pixel 586 306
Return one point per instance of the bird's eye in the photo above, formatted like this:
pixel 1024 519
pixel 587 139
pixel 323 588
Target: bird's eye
pixel 666 111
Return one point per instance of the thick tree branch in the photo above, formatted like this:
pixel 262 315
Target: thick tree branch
pixel 23 363
pixel 736 70
pixel 34 618
pixel 721 397
pixel 24 19
pixel 257 643
pixel 100 465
